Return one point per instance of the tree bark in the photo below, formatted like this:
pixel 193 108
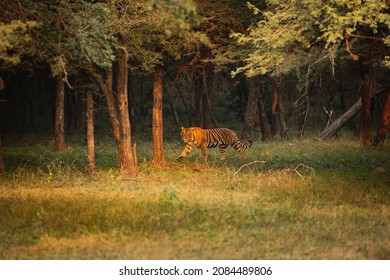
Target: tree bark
pixel 208 75
pixel 119 112
pixel 172 106
pixel 264 123
pixel 344 118
pixel 105 85
pixel 157 128
pixel 90 133
pixel 182 99
pixel 254 87
pixel 59 122
pixel 2 166
pixel 282 120
pixel 199 100
pixel 275 117
pixel 366 111
pixel 385 122
pixel 127 161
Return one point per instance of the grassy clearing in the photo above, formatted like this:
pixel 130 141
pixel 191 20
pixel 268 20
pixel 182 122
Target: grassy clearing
pixel 311 200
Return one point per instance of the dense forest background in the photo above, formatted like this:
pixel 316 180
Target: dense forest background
pixel 114 66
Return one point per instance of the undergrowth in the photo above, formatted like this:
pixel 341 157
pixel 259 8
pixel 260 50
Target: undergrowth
pixel 290 200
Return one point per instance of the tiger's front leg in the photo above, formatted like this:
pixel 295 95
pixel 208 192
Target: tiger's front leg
pixel 204 151
pixel 188 148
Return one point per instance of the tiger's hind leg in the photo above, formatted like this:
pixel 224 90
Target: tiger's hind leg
pixel 222 150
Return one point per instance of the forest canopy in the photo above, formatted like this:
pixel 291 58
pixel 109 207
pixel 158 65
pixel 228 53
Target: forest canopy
pixel 267 64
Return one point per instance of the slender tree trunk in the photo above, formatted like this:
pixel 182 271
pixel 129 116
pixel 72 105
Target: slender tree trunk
pixel 59 123
pixel 208 75
pixel 366 111
pixel 127 159
pixel 172 106
pixel 283 126
pixel 303 103
pixel 119 113
pixel 105 85
pixel 157 129
pixel 275 117
pixel 182 99
pixel 2 166
pixel 90 133
pixel 332 129
pixel 385 122
pixel 199 100
pixel 254 87
pixel 264 123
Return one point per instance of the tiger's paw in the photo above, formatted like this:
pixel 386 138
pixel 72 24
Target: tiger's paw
pixel 179 159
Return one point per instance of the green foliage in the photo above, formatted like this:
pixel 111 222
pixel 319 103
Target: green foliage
pixel 15 41
pixel 293 33
pixel 67 32
pixel 153 32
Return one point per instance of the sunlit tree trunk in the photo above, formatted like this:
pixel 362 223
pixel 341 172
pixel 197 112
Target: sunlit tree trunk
pixel 127 158
pixel 119 112
pixel 90 133
pixel 157 128
pixel 254 87
pixel 59 122
pixel 385 122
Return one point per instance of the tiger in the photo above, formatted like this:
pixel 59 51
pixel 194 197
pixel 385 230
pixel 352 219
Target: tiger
pixel 210 138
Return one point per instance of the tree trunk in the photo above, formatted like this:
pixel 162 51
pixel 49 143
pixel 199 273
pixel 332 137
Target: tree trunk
pixel 343 119
pixel 59 123
pixel 2 166
pixel 199 100
pixel 105 85
pixel 90 133
pixel 275 117
pixel 254 87
pixel 127 161
pixel 119 112
pixel 302 104
pixel 283 126
pixel 385 122
pixel 208 75
pixel 157 129
pixel 366 111
pixel 173 83
pixel 172 106
pixel 264 123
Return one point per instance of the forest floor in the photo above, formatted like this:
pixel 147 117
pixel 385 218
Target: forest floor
pixel 304 199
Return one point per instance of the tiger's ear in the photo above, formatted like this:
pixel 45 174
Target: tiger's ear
pixel 182 128
pixel 192 129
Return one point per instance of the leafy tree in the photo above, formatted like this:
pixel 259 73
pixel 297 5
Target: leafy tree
pixel 150 34
pixel 294 33
pixel 15 41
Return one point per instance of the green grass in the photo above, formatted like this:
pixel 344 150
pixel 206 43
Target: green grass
pixel 310 200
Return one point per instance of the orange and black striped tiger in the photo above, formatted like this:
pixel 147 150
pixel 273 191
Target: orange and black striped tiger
pixel 210 138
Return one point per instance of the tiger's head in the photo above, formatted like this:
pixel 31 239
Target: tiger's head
pixel 187 134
